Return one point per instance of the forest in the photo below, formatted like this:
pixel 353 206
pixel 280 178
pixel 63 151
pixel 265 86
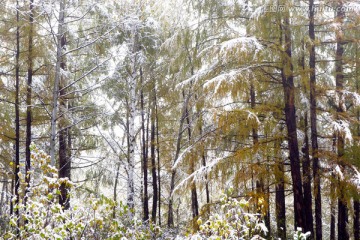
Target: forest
pixel 180 119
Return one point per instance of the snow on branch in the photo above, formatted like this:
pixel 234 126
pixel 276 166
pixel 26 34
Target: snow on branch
pixel 342 127
pixel 200 173
pixel 241 44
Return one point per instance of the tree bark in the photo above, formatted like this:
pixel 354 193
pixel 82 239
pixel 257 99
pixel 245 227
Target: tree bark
pixel 203 157
pixel 307 181
pixel 290 121
pixel 29 100
pixel 170 220
pixel 280 210
pixel 59 59
pixel 115 187
pixel 152 155
pixel 131 122
pixel 64 156
pixel 342 204
pixel 16 179
pixel 313 126
pixel 306 162
pixel 144 154
pixel 194 200
pixel 158 157
pixel 356 218
pixel 356 224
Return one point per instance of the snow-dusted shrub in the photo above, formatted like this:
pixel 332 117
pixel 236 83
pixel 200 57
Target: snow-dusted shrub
pixel 232 222
pixel 44 218
pixel 299 235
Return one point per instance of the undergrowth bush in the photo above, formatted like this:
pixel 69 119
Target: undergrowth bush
pixel 44 218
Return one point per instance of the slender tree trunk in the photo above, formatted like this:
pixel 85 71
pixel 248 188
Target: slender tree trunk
pixel 16 179
pixel 59 59
pixel 152 155
pixel 342 204
pixel 144 154
pixel 333 195
pixel 356 218
pixel 290 120
pixel 313 126
pixel 115 187
pixel 170 220
pixel 307 181
pixel 131 128
pixel 343 218
pixel 158 156
pixel 29 100
pixel 260 188
pixel 203 157
pixel 64 158
pixel 194 200
pixel 356 224
pixel 2 204
pixel 280 210
pixel 332 218
pixel 307 175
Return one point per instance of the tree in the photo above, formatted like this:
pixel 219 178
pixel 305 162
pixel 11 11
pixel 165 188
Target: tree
pixel 313 123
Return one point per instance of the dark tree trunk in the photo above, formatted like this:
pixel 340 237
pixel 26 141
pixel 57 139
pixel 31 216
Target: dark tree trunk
pixel 260 188
pixel 203 157
pixel 194 200
pixel 144 154
pixel 115 187
pixel 356 219
pixel 332 195
pixel 16 179
pixel 342 204
pixel 290 120
pixel 343 218
pixel 280 209
pixel 332 218
pixel 307 181
pixel 29 100
pixel 356 224
pixel 170 221
pixel 306 163
pixel 313 121
pixel 64 159
pixel 158 157
pixel 153 160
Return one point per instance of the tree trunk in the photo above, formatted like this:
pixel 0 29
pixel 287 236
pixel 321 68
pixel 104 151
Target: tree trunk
pixel 290 120
pixel 144 154
pixel 260 188
pixel 131 126
pixel 356 224
pixel 332 218
pixel 170 220
pixel 153 160
pixel 194 200
pixel 59 59
pixel 203 157
pixel 29 100
pixel 306 163
pixel 16 179
pixel 307 181
pixel 356 218
pixel 342 204
pixel 313 126
pixel 158 156
pixel 64 158
pixel 343 218
pixel 115 187
pixel 280 210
